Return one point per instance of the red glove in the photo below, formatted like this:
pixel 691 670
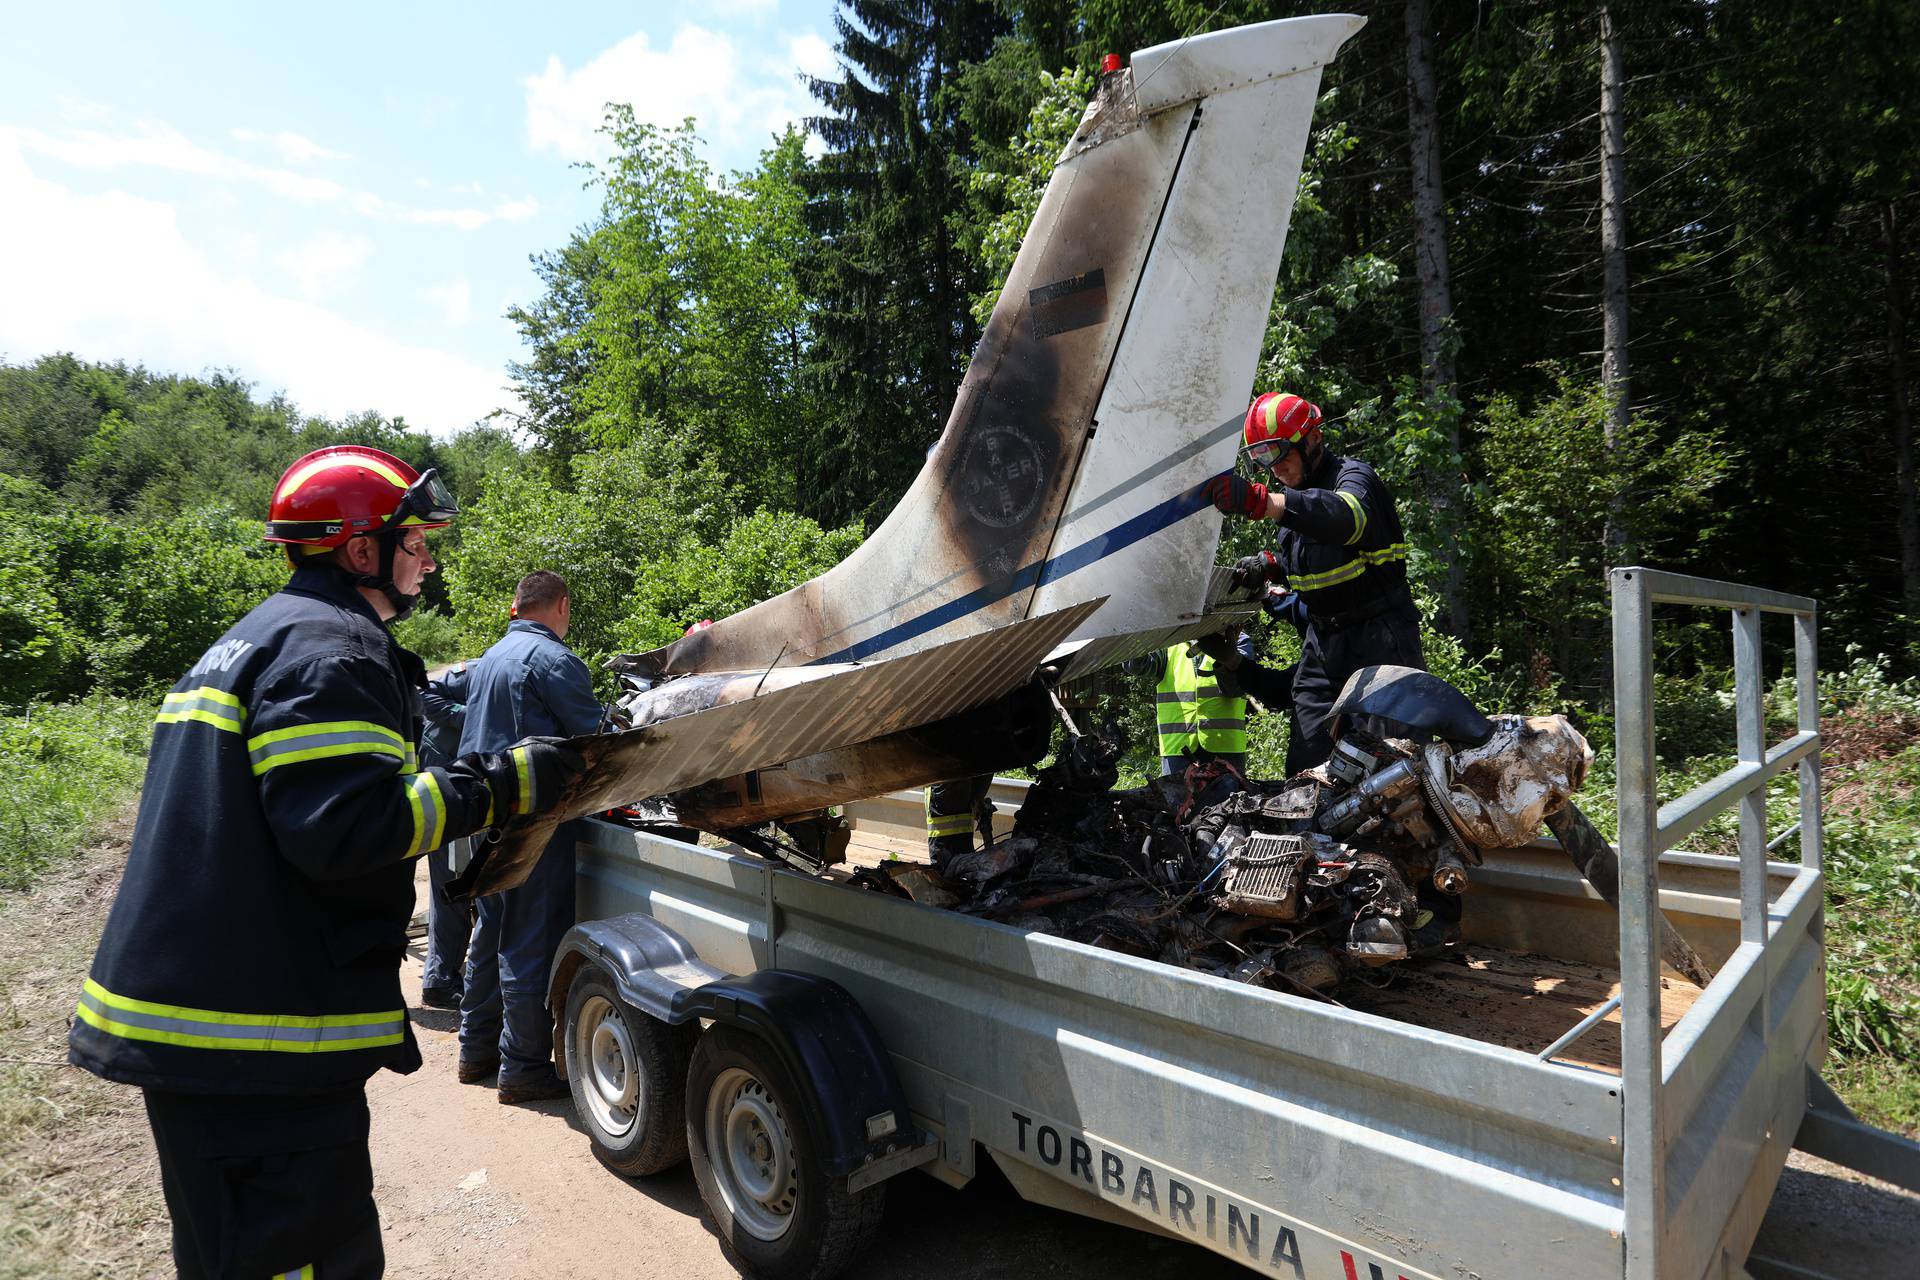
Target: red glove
pixel 1232 496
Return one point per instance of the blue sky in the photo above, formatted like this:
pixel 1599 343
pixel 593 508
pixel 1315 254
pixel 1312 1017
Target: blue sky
pixel 339 202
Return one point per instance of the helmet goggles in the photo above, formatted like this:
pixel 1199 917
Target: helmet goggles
pixel 427 502
pixel 1268 454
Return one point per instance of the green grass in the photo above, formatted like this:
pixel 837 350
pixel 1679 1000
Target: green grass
pixel 65 768
pixel 78 1192
pixel 1882 1091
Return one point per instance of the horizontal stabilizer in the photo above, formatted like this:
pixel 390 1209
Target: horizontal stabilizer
pixel 1224 607
pixel 781 724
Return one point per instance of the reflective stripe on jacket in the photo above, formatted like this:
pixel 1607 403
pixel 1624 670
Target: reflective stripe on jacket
pixel 1191 710
pixel 255 944
pixel 947 824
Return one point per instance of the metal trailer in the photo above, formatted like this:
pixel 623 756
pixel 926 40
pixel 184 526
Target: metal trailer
pixel 1299 1138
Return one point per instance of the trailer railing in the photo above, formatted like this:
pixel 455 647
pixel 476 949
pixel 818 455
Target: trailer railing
pixel 1666 1087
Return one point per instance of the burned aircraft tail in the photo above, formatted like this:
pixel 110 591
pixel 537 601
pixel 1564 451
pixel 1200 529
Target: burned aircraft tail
pixel 1109 384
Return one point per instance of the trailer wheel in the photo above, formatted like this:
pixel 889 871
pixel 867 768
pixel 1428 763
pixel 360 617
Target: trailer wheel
pixel 750 1132
pixel 625 1069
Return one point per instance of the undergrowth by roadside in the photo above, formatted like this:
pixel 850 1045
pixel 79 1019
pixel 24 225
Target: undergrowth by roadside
pixel 64 768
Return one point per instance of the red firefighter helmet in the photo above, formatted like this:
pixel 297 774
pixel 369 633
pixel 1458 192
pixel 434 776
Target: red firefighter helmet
pixel 1277 424
pixel 341 492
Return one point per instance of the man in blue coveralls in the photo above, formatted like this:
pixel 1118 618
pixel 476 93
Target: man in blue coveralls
pixel 527 684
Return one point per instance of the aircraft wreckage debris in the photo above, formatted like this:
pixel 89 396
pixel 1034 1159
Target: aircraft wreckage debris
pixel 1295 885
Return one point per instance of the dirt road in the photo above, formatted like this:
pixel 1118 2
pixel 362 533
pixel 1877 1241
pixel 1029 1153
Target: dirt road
pixel 471 1189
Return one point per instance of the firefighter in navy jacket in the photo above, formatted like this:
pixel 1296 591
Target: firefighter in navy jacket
pixel 248 979
pixel 1340 547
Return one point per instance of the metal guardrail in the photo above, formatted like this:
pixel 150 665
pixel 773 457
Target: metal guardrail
pixel 1646 832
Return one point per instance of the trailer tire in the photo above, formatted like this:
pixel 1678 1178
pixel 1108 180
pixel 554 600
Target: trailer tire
pixel 625 1070
pixel 751 1132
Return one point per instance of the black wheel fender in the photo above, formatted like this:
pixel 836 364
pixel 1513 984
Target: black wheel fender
pixel 828 1046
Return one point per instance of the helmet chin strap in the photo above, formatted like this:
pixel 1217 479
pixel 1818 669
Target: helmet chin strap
pixel 403 605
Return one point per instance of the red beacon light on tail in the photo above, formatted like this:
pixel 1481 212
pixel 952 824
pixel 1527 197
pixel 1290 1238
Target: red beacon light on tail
pixel 1109 63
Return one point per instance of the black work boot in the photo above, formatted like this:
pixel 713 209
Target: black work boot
pixel 534 1089
pixel 477 1070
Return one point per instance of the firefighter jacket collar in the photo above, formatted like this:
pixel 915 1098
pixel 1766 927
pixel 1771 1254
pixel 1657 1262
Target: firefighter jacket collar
pixel 326 582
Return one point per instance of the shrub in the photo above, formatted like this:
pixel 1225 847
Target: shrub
pixel 435 636
pixel 64 768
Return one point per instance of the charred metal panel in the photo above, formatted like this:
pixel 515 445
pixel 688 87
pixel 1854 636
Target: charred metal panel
pixel 1224 607
pixel 1218 62
pixel 1142 287
pixel 1108 385
pixel 1010 733
pixel 786 723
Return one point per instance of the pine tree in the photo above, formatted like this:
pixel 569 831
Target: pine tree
pixel 889 285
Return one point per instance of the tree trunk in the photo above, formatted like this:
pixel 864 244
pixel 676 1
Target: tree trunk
pixel 1615 372
pixel 1901 406
pixel 1437 379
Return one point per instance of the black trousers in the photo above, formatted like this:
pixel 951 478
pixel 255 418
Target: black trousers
pixel 1329 655
pixel 268 1186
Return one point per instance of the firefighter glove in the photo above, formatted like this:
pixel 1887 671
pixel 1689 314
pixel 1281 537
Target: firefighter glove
pixel 1220 647
pixel 528 777
pixel 1254 571
pixel 1232 496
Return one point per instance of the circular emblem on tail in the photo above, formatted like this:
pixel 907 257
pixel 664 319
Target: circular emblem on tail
pixel 1001 477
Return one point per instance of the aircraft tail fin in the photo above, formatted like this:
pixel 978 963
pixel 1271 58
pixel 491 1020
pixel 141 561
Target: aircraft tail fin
pixel 1109 383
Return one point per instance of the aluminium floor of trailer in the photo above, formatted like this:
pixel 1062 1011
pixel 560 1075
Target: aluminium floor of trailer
pixel 1515 999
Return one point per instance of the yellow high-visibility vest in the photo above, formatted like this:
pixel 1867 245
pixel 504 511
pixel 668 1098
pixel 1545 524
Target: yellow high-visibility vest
pixel 1192 711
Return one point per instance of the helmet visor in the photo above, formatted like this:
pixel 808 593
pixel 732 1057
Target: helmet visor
pixel 428 501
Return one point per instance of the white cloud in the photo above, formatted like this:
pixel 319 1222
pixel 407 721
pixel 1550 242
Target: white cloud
pixel 325 264
pixel 82 109
pixel 455 300
pixel 157 146
pixel 516 210
pixel 735 100
pixel 814 56
pixel 111 277
pixel 468 219
pixel 294 148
